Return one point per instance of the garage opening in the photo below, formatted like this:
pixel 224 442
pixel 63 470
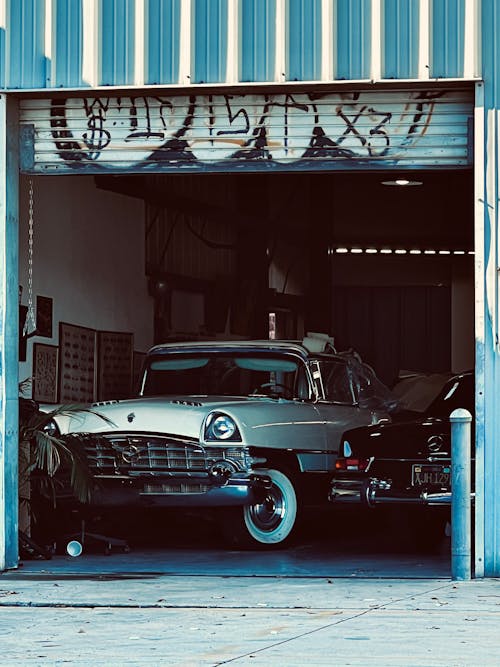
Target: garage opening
pixel 379 259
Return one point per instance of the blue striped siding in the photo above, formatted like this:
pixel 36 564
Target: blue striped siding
pixel 210 38
pixel 26 66
pixel 162 26
pixel 258 39
pixel 117 42
pixel 304 40
pixel 400 53
pixel 67 45
pixel 2 58
pixel 25 42
pixel 447 38
pixel 353 39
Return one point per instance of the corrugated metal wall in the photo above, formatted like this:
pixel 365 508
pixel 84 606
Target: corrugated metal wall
pixel 91 43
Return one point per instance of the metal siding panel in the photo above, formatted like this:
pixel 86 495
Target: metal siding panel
pixel 304 40
pixel 258 40
pixel 25 41
pixel 353 39
pixel 117 42
pixel 2 57
pixel 67 51
pixel 400 43
pixel 448 25
pixel 488 310
pixel 9 332
pixel 210 41
pixel 282 132
pixel 163 43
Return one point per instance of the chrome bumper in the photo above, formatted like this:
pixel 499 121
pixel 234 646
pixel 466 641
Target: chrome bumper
pixel 239 489
pixel 371 492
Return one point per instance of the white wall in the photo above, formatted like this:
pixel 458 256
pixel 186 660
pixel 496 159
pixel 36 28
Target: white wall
pixel 89 257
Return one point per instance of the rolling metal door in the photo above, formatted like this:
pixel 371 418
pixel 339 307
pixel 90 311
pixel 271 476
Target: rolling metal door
pixel 293 131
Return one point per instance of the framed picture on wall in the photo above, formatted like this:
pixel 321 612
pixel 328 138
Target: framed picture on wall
pixel 44 316
pixel 115 364
pixel 77 363
pixel 45 362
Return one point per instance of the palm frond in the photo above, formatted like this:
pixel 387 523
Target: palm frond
pixel 49 453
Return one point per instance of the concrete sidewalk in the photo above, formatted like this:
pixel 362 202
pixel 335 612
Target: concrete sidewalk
pixel 61 613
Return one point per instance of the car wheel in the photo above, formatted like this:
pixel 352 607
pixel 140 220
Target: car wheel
pixel 270 521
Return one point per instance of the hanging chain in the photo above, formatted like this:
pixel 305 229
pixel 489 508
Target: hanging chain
pixel 30 315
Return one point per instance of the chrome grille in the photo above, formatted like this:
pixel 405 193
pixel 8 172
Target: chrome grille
pixel 174 487
pixel 121 453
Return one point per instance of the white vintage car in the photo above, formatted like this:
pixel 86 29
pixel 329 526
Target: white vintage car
pixel 249 427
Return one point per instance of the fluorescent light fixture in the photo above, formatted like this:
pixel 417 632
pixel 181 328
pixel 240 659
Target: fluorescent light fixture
pixel 395 251
pixel 402 182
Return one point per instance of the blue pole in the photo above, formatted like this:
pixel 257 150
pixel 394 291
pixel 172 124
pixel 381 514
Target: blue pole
pixel 461 494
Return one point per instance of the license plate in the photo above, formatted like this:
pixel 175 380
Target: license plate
pixel 429 474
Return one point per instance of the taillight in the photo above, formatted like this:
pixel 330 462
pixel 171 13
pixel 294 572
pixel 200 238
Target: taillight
pixel 357 465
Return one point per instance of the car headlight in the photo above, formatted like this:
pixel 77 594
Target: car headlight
pixel 221 427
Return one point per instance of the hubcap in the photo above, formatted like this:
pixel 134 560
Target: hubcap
pixel 267 515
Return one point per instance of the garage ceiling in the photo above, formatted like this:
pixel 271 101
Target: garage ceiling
pixel 351 209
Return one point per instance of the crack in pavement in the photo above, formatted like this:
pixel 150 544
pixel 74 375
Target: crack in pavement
pixel 333 624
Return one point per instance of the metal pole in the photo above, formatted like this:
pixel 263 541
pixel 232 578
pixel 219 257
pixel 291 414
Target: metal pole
pixel 461 494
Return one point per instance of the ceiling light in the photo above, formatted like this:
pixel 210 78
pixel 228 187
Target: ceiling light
pixel 402 182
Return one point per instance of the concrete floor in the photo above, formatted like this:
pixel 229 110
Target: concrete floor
pixel 348 545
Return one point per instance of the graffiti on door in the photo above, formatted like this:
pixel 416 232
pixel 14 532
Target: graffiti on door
pixel 123 132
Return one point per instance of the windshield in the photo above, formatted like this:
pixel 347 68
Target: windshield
pixel 225 374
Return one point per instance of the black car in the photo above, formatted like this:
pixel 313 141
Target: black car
pixel 407 460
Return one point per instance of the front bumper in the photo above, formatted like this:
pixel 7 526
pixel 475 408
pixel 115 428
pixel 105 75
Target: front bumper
pixel 372 491
pixel 192 491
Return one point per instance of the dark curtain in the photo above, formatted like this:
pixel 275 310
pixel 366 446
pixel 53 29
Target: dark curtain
pixel 395 328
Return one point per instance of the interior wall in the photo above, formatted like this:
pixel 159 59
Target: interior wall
pixel 462 314
pixel 88 257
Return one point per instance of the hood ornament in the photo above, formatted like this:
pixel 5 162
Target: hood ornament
pixel 131 417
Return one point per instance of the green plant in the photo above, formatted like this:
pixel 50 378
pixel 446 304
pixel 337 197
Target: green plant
pixel 54 462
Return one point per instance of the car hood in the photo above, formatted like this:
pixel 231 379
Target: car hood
pixel 260 419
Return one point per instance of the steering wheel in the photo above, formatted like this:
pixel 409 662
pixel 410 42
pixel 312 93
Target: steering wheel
pixel 276 385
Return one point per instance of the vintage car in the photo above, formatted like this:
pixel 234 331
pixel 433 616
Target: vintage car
pixel 235 425
pixel 409 459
